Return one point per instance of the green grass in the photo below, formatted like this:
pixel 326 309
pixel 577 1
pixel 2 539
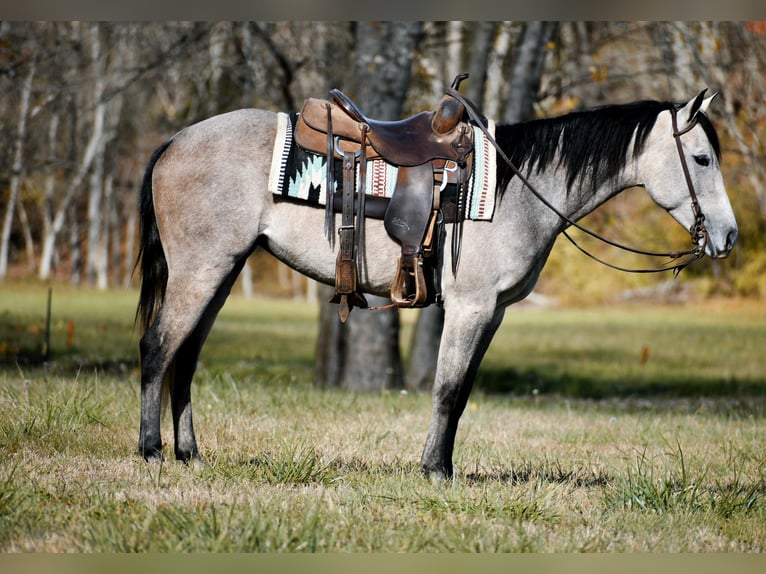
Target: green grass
pixel 638 351
pixel 576 439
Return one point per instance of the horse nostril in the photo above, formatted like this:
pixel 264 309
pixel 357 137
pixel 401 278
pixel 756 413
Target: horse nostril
pixel 731 239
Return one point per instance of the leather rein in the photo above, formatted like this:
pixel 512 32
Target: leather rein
pixel 698 231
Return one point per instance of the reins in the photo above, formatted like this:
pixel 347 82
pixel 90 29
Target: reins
pixel 698 231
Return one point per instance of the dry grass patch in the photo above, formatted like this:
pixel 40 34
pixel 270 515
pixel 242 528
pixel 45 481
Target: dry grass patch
pixel 296 468
pixel 535 476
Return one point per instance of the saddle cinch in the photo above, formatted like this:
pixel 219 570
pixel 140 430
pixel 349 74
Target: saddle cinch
pixel 430 149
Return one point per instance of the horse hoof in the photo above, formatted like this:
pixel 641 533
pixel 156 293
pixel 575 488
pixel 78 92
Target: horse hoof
pixel 152 456
pixel 191 459
pixel 196 463
pixel 437 475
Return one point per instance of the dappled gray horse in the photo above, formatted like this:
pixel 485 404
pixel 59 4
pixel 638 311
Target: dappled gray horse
pixel 205 208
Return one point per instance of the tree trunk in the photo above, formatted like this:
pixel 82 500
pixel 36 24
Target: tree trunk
pixel 526 73
pixel 96 180
pixel 16 168
pixel 495 86
pixel 105 261
pixel 131 225
pixel 364 353
pixel 527 70
pixel 246 280
pixel 481 46
pixel 454 51
pixel 26 229
pixel 58 214
pixel 424 347
pixel 75 247
pixel 424 355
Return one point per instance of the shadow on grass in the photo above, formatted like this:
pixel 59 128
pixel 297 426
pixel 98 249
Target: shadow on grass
pixel 548 472
pixel 69 364
pixel 533 382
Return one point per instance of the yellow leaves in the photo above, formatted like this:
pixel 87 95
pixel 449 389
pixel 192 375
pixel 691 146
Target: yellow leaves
pixel 570 103
pixel 8 351
pixel 598 74
pixel 562 105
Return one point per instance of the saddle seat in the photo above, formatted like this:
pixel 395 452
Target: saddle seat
pixel 426 136
pixel 441 134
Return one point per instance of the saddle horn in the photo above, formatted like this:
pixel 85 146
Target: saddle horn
pixel 459 79
pixel 449 113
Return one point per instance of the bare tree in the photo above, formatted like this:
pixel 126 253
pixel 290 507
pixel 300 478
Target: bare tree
pixel 18 161
pixel 89 154
pixel 495 88
pixel 109 248
pixel 479 48
pixel 98 104
pixel 527 70
pixel 96 176
pixel 526 73
pixel 364 353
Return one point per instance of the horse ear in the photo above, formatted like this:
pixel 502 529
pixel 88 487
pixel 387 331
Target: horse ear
pixel 695 105
pixel 706 103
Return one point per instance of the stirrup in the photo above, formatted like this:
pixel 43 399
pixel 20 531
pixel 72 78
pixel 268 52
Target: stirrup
pixel 409 286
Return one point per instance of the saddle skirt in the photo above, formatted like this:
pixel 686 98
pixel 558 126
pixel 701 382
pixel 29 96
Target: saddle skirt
pixel 300 175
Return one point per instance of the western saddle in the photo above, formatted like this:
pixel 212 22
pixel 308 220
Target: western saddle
pixel 430 149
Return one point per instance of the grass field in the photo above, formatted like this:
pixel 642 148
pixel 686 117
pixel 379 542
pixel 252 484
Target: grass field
pixel 590 430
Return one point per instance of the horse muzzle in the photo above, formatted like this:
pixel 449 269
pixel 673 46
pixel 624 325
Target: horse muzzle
pixel 720 246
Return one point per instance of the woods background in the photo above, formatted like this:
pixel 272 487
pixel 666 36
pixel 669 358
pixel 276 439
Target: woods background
pixel 84 104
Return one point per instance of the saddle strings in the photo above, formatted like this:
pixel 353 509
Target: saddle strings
pixel 698 231
pixel 457 227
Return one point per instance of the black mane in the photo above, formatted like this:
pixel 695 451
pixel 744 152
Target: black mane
pixel 592 144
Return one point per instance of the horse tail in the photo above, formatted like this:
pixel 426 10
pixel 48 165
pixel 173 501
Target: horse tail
pixel 151 255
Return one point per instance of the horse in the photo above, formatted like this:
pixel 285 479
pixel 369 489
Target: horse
pixel 204 208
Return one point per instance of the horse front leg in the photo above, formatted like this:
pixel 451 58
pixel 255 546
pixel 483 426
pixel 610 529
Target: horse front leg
pixel 466 336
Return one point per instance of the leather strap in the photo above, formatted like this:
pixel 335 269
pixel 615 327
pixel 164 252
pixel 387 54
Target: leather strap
pixel 359 239
pixel 346 294
pixel 457 227
pixel 698 230
pixel 329 218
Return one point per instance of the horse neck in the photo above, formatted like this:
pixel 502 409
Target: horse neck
pixel 591 199
pixel 574 202
pixel 549 173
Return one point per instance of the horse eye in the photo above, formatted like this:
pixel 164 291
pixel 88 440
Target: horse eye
pixel 702 160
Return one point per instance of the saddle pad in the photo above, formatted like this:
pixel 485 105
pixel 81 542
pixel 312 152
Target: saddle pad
pixel 301 175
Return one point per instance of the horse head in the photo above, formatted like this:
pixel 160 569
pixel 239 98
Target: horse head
pixel 681 170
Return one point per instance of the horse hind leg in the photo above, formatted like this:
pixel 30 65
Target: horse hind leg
pixel 169 352
pixel 155 361
pixel 185 365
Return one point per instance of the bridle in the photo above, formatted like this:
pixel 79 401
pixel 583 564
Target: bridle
pixel 698 231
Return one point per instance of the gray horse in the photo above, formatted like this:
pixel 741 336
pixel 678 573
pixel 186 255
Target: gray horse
pixel 205 208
